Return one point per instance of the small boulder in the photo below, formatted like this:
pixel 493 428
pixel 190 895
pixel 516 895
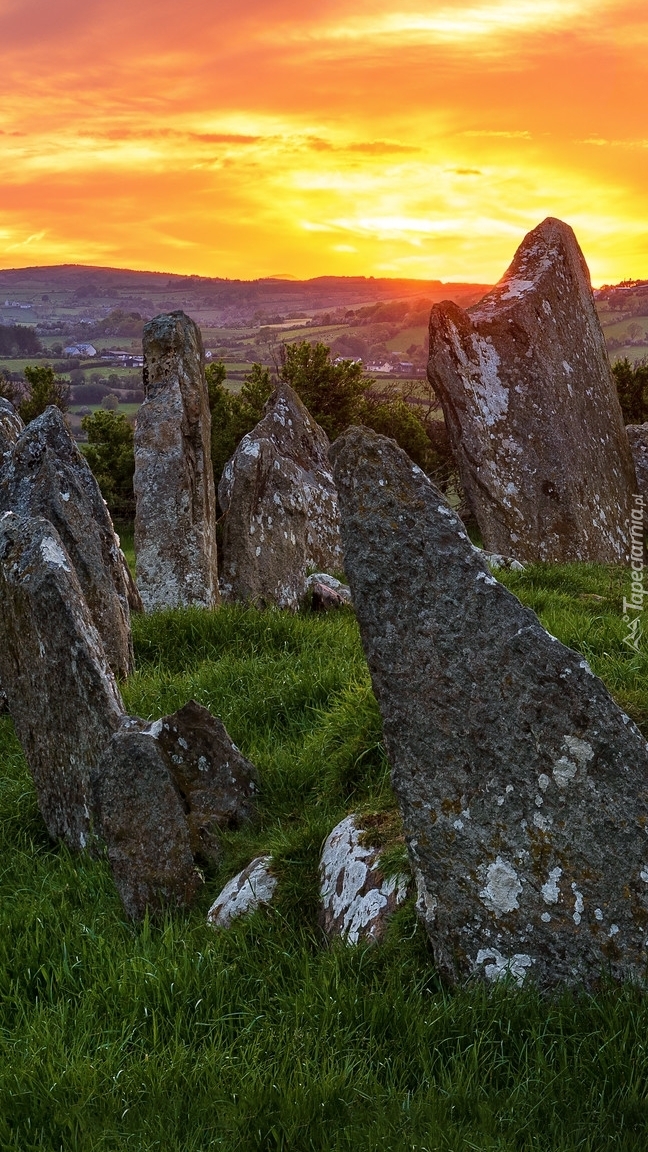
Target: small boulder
pixel 279 504
pixel 175 518
pixel 357 899
pixel 251 889
pixel 45 475
pixel 217 785
pixel 140 817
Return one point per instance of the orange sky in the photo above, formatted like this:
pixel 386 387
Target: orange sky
pixel 259 138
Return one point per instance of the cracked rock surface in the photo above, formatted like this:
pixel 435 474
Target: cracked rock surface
pixel 532 411
pixel 523 786
pixel 357 898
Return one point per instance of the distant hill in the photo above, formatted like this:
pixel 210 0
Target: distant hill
pixel 74 291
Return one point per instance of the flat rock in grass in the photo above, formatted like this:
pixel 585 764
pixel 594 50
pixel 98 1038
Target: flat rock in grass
pixel 532 411
pixel 357 899
pixel 218 786
pixel 523 787
pixel 45 475
pixel 141 819
pixel 279 505
pixel 175 518
pixel 638 439
pixel 250 890
pixel 10 427
pixel 62 695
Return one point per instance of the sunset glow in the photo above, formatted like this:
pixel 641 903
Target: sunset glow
pixel 385 139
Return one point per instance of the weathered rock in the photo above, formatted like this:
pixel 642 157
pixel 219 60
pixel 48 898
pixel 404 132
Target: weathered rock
pixel 494 560
pixel 523 787
pixel 251 889
pixel 10 427
pixel 175 519
pixel 280 507
pixel 217 784
pixel 62 696
pixel 318 578
pixel 141 819
pixel 532 411
pixel 357 898
pixel 638 439
pixel 160 793
pixel 46 475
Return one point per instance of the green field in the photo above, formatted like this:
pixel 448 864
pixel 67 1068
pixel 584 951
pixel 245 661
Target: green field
pixel 168 1036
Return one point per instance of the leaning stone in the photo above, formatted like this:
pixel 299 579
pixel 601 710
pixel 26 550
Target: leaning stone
pixel 250 890
pixel 280 507
pixel 46 475
pixel 218 786
pixel 357 899
pixel 62 696
pixel 532 411
pixel 521 783
pixel 10 427
pixel 638 439
pixel 141 819
pixel 175 518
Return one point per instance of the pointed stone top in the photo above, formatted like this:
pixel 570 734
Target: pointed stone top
pixel 550 250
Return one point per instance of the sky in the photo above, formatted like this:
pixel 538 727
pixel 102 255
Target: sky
pixel 282 138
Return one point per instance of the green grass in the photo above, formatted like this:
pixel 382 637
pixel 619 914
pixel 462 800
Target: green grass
pixel 169 1036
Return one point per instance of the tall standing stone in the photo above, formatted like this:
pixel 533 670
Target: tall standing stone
pixel 62 695
pixel 175 519
pixel 280 507
pixel 532 411
pixel 523 787
pixel 46 475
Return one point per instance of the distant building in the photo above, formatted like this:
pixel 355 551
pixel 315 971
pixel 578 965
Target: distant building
pixel 80 350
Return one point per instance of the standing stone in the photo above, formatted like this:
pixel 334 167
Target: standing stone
pixel 45 475
pixel 532 411
pixel 280 507
pixel 175 519
pixel 10 427
pixel 62 696
pixel 523 787
pixel 638 439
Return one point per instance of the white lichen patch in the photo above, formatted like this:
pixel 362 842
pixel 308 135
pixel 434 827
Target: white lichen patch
pixel 564 770
pixel 550 890
pixel 498 967
pixel 53 553
pixel 502 887
pixel 579 904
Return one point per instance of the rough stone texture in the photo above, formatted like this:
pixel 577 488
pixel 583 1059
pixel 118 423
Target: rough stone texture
pixel 494 560
pixel 342 590
pixel 532 411
pixel 63 699
pixel 357 899
pixel 46 475
pixel 216 783
pixel 10 427
pixel 141 819
pixel 175 519
pixel 249 890
pixel 523 787
pixel 280 507
pixel 638 439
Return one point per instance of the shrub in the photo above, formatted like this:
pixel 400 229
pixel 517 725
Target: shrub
pixel 632 390
pixel 109 453
pixel 44 389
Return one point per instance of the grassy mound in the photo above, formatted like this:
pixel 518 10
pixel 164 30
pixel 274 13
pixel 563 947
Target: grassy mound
pixel 172 1037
